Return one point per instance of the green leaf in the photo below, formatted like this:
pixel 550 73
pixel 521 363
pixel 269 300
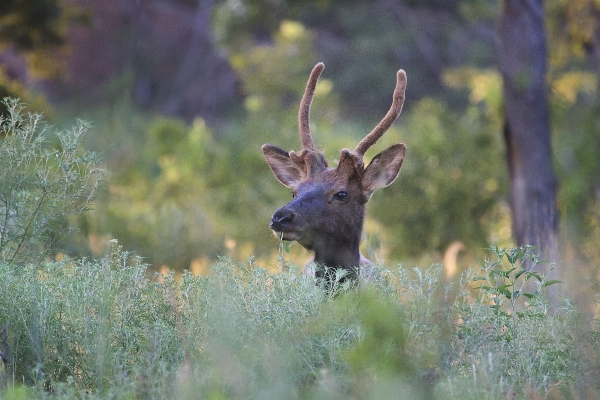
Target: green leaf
pixel 503 274
pixel 551 282
pixel 504 287
pixel 512 256
pixel 535 275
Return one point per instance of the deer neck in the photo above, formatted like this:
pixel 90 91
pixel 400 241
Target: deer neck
pixel 338 254
pixel 340 258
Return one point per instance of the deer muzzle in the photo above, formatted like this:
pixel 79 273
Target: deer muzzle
pixel 282 219
pixel 282 224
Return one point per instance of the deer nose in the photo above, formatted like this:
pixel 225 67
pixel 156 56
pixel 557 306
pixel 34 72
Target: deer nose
pixel 282 219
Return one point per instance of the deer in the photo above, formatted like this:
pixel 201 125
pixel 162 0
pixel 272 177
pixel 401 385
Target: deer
pixel 327 210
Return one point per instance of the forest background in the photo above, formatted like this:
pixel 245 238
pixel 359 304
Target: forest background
pixel 182 94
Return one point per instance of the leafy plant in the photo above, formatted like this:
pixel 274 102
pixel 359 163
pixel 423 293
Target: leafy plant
pixel 501 284
pixel 42 183
pixel 501 341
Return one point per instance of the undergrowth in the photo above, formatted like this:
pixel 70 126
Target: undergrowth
pixel 104 329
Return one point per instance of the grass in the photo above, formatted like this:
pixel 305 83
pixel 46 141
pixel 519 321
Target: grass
pixel 104 329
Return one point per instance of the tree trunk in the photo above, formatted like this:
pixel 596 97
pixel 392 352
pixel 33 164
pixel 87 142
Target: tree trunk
pixel 522 60
pixel 203 63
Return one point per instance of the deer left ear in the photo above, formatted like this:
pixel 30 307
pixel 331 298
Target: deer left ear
pixel 284 168
pixel 383 169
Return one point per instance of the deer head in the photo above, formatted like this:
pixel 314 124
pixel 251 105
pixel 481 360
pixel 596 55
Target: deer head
pixel 327 211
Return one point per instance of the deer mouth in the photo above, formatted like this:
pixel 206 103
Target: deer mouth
pixel 288 235
pixel 284 225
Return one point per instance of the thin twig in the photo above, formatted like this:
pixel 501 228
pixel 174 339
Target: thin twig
pixel 24 235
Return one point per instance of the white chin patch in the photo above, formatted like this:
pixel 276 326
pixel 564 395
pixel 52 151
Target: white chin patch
pixel 289 236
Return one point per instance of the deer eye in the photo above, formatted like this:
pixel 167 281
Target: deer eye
pixel 341 195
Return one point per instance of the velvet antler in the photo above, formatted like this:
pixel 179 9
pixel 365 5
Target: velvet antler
pixel 304 113
pixel 390 117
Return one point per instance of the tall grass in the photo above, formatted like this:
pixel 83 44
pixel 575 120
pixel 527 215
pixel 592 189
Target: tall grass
pixel 104 329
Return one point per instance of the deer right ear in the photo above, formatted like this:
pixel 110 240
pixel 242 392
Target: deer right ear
pixel 284 169
pixel 384 168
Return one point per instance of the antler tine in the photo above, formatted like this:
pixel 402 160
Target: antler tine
pixel 390 117
pixel 304 113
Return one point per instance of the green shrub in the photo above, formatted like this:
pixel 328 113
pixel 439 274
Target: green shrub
pixel 507 338
pixel 43 181
pixel 87 326
pixel 103 328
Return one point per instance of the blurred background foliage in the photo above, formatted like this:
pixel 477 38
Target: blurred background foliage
pixel 182 94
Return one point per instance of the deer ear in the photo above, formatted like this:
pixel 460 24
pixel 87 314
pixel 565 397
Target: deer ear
pixel 384 168
pixel 284 169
